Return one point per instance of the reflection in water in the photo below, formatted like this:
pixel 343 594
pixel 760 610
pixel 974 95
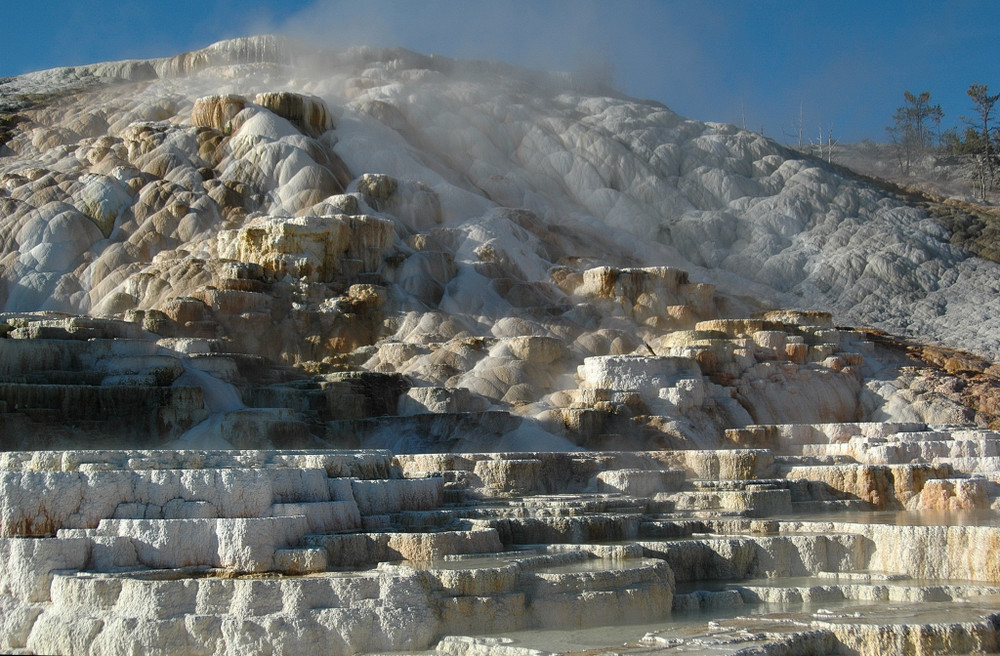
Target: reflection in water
pixel 721 616
pixel 902 517
pixel 709 631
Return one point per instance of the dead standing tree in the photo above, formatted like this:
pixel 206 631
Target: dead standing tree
pixel 827 142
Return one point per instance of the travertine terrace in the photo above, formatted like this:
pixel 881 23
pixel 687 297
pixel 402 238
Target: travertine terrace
pixel 236 551
pixel 366 351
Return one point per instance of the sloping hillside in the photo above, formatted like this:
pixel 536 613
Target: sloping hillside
pixel 474 232
pixel 620 175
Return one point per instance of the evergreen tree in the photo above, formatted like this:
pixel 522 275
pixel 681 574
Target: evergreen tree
pixel 983 103
pixel 910 132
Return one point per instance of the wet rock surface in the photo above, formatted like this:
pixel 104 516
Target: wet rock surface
pixel 784 551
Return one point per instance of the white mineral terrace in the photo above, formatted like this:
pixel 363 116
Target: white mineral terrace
pixel 725 551
pixel 235 282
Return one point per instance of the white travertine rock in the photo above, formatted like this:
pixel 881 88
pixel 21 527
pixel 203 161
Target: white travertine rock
pixel 309 247
pixel 775 393
pixel 640 482
pixel 760 501
pixel 421 400
pixel 110 553
pixel 300 561
pixel 617 308
pixel 457 579
pixel 365 549
pixel 538 350
pixel 380 497
pixel 217 111
pixel 927 552
pixel 685 394
pixel 307 111
pixel 16 621
pixel 939 637
pixel 414 204
pixel 104 200
pixel 954 494
pixel 772 340
pixel 646 375
pixel 240 544
pixel 31 562
pixel 575 599
pixel 884 486
pixel 505 475
pixel 426 274
pixel 322 516
pixel 51 241
pixel 377 186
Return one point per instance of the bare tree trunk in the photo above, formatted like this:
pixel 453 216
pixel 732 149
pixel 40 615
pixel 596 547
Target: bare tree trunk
pixel 801 125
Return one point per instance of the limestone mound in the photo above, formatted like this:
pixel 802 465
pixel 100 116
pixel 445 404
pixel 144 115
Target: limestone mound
pixel 256 246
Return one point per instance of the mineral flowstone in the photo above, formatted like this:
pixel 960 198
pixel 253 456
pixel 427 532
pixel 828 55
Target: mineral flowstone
pixel 234 282
pixel 364 551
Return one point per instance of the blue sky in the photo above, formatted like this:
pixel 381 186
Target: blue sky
pixel 846 63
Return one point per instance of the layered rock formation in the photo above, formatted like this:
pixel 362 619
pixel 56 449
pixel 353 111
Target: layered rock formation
pixel 222 551
pixel 243 277
pixel 332 224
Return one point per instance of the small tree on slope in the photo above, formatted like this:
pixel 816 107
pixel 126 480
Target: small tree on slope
pixel 983 103
pixel 910 132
